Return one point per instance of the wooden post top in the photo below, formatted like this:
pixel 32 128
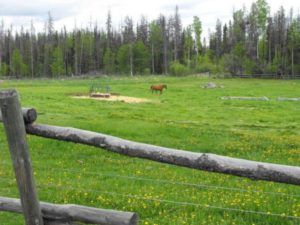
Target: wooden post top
pixel 4 94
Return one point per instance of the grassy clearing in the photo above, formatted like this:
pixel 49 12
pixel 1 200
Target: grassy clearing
pixel 186 117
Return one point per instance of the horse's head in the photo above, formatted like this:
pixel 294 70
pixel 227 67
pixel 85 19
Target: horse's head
pixel 164 86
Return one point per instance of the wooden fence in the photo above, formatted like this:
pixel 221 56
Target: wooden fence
pixel 15 120
pixel 18 122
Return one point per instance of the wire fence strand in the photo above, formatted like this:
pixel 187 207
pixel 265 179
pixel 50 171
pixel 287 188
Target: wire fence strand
pixel 166 201
pixel 163 181
pixel 181 203
pixel 131 177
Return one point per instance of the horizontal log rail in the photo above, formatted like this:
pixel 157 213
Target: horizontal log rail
pixel 73 213
pixel 201 161
pixel 29 115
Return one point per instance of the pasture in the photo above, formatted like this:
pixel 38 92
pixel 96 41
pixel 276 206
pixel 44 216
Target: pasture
pixel 185 116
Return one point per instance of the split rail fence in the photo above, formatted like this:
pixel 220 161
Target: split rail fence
pixel 20 121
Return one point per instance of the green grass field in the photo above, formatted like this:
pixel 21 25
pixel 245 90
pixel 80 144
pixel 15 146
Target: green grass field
pixel 185 116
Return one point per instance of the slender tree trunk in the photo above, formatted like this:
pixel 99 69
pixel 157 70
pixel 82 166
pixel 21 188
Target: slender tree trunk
pixel 189 58
pixel 1 46
pixel 292 61
pixel 131 60
pixel 165 61
pixel 1 58
pixel 75 62
pixel 31 58
pixel 257 49
pixel 165 55
pixel 65 48
pixel 81 52
pixel 10 56
pixel 175 48
pixel 152 54
pixel 75 55
pixel 66 61
pixel 270 49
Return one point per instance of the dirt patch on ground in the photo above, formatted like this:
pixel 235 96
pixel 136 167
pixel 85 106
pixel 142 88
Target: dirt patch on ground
pixel 115 98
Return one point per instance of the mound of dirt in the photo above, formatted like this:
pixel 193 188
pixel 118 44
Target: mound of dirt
pixel 115 98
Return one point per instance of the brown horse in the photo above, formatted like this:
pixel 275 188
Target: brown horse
pixel 159 88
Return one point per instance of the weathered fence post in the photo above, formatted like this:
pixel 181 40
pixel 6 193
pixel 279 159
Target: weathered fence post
pixel 16 136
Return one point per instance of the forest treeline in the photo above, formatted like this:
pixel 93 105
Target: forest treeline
pixel 252 42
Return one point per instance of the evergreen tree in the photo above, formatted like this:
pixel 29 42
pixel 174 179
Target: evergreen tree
pixel 142 58
pixel 128 36
pixel 188 45
pixel 142 30
pixel 123 59
pixel 225 41
pixel 108 61
pixel 164 37
pixel 176 33
pixel 235 61
pixel 218 40
pixel 156 43
pixel 108 30
pixel 3 70
pixel 57 66
pixel 252 41
pixel 270 44
pixel 294 42
pixel 18 66
pixel 1 43
pixel 197 28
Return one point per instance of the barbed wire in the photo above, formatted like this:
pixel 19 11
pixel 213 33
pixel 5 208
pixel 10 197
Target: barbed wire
pixel 164 181
pixel 174 202
pixel 181 203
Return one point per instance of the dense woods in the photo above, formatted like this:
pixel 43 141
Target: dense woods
pixel 252 42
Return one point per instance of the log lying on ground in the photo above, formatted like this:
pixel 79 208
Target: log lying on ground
pixel 201 161
pixel 76 213
pixel 245 98
pixel 29 115
pixel 288 99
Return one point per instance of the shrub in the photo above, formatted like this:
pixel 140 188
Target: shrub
pixel 272 68
pixel 146 71
pixel 250 67
pixel 4 69
pixel 178 69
